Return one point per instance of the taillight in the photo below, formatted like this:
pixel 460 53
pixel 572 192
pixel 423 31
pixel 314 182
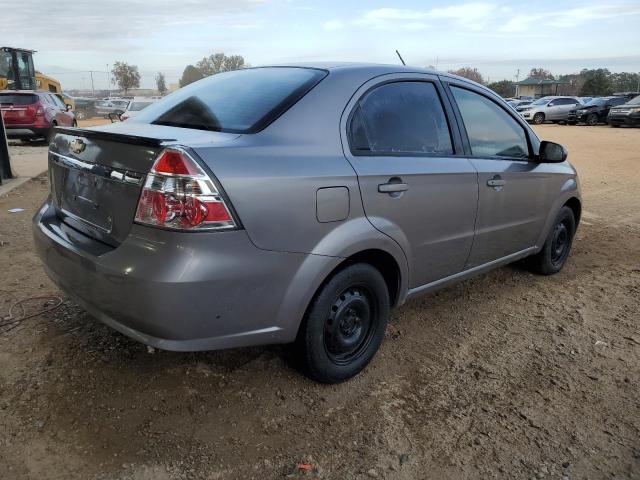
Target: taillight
pixel 178 194
pixel 40 111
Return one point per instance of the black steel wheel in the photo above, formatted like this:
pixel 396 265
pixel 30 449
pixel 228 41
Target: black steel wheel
pixel 592 120
pixel 344 325
pixel 557 246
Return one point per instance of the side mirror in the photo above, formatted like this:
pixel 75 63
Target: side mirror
pixel 551 152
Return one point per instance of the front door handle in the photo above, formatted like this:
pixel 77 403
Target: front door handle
pixel 393 187
pixel 496 182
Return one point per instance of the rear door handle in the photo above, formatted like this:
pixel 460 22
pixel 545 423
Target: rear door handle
pixel 393 187
pixel 496 182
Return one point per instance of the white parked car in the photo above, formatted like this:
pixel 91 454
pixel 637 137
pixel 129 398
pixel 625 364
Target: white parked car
pixel 136 106
pixel 554 109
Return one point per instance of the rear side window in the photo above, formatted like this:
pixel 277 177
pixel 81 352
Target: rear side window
pixel 241 101
pixel 13 99
pixel 400 118
pixel 491 130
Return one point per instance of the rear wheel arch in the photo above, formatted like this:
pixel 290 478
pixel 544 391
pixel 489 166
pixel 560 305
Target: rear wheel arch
pixel 381 260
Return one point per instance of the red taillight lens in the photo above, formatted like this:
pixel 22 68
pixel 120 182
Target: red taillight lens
pixel 174 162
pixel 178 194
pixel 40 111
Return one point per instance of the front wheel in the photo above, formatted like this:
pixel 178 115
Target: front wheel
pixel 344 325
pixel 557 245
pixel 592 120
pixel 538 118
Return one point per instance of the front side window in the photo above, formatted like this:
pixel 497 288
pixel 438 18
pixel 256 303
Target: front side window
pixel 491 130
pixel 400 118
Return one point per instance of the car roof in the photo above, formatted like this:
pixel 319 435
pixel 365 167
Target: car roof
pixel 357 66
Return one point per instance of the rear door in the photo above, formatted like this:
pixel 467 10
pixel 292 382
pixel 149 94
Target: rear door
pixel 513 189
pixel 416 184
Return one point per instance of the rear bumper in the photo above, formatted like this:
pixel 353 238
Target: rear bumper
pixel 176 291
pixel 25 132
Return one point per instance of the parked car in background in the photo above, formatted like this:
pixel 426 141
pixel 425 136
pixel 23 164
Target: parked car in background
pixel 586 100
pixel 136 106
pixel 626 114
pixel 85 107
pixel 299 204
pixel 520 105
pixel 31 115
pixel 595 111
pixel 111 107
pixel 553 109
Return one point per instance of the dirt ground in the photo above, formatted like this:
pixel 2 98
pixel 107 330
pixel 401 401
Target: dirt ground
pixel 509 375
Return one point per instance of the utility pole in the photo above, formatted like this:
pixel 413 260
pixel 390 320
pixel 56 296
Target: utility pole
pixel 517 80
pixel 93 90
pixel 108 81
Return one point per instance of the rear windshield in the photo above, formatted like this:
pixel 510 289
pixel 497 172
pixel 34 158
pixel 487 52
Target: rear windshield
pixel 137 106
pixel 15 99
pixel 241 101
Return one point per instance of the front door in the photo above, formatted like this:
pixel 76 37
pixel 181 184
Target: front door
pixel 416 184
pixel 512 187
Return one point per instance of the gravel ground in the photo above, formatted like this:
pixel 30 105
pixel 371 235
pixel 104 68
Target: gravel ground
pixel 509 375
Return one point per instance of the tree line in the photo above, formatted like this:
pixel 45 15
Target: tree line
pixel 127 76
pixel 588 82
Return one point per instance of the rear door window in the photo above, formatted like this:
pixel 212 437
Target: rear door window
pixel 405 118
pixel 240 101
pixel 492 132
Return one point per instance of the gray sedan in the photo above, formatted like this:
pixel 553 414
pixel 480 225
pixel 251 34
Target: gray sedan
pixel 299 204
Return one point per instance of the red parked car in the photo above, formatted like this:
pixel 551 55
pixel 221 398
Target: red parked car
pixel 29 115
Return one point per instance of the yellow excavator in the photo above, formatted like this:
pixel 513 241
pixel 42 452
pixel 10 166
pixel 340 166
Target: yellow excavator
pixel 17 73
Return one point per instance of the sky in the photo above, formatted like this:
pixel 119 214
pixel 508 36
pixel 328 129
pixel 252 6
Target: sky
pixel 164 36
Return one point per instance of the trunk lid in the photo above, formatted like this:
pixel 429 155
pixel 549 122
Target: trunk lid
pixel 96 175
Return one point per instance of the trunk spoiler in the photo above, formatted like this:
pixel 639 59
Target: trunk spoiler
pixel 112 136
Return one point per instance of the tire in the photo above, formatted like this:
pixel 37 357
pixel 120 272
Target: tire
pixel 75 123
pixel 592 120
pixel 344 325
pixel 538 118
pixel 557 245
pixel 51 133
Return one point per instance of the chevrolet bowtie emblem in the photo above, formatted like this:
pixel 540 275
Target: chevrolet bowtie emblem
pixel 77 146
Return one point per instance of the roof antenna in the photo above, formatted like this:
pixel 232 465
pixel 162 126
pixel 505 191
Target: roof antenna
pixel 400 57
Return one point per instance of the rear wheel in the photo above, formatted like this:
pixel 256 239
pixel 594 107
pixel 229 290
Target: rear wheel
pixel 592 120
pixel 614 125
pixel 75 123
pixel 345 324
pixel 557 246
pixel 51 132
pixel 538 118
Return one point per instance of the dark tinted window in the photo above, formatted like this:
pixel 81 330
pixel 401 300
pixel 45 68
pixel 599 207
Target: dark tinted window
pixel 617 101
pixel 241 101
pixel 15 99
pixel 491 130
pixel 402 117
